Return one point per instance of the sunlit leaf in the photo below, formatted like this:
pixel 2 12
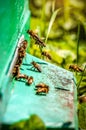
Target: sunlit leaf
pixel 36 123
pixel 33 123
pixel 82 116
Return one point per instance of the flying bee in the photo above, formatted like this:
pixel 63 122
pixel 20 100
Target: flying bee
pixel 36 66
pixel 41 85
pixel 82 98
pixel 33 34
pixel 75 68
pixel 36 38
pixel 40 42
pixel 46 54
pixel 21 76
pixel 42 90
pixel 30 80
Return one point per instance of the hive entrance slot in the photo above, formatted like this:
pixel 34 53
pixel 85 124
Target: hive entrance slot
pixel 15 57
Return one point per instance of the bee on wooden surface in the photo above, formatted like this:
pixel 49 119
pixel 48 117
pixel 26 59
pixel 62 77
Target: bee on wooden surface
pixel 15 70
pixel 30 80
pixel 21 54
pixel 36 38
pixel 21 49
pixel 24 44
pixel 42 90
pixel 46 54
pixel 36 66
pixel 21 76
pixel 75 68
pixel 41 85
pixel 19 61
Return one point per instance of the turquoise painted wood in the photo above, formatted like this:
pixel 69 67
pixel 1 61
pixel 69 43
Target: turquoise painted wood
pixel 55 109
pixel 14 20
pixel 19 100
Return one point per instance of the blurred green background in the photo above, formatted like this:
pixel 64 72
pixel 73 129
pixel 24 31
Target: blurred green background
pixel 62 39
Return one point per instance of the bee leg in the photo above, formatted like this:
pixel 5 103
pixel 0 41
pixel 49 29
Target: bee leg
pixel 32 68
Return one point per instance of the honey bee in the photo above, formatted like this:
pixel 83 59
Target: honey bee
pixel 36 38
pixel 15 70
pixel 46 54
pixel 75 68
pixel 33 34
pixel 82 98
pixel 24 44
pixel 21 76
pixel 21 49
pixel 19 61
pixel 21 54
pixel 35 65
pixel 42 90
pixel 41 85
pixel 29 80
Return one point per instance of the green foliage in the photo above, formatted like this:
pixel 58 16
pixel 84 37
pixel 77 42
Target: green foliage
pixel 78 42
pixel 51 23
pixel 34 123
pixel 78 85
pixel 82 116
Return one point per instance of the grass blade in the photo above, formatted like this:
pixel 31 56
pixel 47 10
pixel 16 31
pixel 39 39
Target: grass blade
pixel 51 22
pixel 77 50
pixel 53 5
pixel 81 78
